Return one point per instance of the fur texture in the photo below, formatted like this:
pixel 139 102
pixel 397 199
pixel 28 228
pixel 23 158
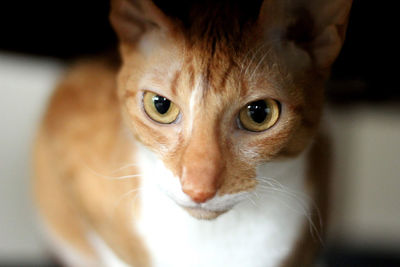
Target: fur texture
pixel 123 189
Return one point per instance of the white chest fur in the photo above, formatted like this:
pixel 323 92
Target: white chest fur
pixel 259 231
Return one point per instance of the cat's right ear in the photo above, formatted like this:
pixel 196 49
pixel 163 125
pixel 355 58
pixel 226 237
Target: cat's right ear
pixel 315 26
pixel 133 18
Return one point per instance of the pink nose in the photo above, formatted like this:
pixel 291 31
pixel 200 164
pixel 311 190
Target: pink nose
pixel 202 166
pixel 198 195
pixel 201 180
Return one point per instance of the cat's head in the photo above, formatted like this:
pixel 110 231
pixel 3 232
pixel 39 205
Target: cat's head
pixel 216 89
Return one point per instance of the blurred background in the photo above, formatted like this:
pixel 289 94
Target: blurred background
pixel 38 39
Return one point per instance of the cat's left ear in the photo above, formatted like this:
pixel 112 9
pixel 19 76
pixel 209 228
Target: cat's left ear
pixel 317 26
pixel 131 19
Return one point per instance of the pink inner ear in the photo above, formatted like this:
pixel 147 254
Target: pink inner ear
pixel 317 26
pixel 326 47
pixel 130 18
pixel 331 18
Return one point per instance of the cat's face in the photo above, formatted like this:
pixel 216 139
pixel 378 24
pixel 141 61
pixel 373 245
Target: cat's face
pixel 212 112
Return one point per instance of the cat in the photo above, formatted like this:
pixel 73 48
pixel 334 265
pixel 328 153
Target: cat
pixel 203 147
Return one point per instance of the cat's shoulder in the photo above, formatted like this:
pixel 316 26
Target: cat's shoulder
pixel 85 98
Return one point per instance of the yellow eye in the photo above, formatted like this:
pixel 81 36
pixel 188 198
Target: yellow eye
pixel 160 108
pixel 259 115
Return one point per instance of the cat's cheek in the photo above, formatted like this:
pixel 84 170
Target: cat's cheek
pixel 277 177
pixel 155 174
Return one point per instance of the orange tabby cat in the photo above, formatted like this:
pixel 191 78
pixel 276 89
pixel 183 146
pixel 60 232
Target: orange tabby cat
pixel 198 151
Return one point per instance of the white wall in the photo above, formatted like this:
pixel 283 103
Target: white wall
pixel 367 175
pixel 25 84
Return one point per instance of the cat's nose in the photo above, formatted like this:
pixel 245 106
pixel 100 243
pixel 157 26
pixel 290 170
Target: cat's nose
pixel 202 168
pixel 198 196
pixel 200 181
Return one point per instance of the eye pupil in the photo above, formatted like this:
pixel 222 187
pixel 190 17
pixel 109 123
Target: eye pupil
pixel 161 103
pixel 258 111
pixel 260 115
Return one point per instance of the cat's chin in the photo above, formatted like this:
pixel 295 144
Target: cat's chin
pixel 203 214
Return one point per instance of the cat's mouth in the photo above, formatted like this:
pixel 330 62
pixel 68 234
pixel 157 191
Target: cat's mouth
pixel 203 214
pixel 207 211
pixel 210 209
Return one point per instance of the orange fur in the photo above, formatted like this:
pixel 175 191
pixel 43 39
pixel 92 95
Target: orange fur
pixel 86 132
pixel 71 183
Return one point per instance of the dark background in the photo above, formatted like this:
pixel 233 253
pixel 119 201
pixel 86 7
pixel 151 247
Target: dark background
pixel 366 70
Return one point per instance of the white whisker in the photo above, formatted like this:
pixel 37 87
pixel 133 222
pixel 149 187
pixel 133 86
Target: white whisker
pixel 252 201
pixel 301 200
pixel 258 64
pixel 109 177
pixel 125 195
pixel 125 176
pixel 255 193
pixel 254 57
pixel 124 167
